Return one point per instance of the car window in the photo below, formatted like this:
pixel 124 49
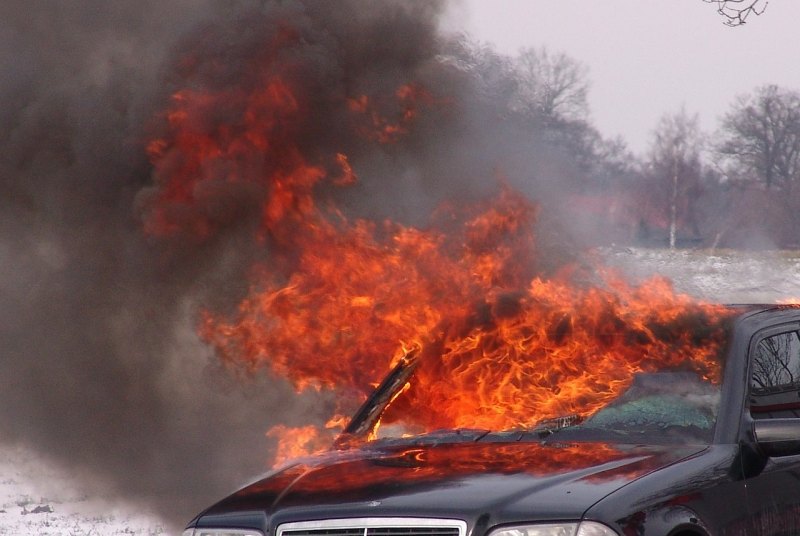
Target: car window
pixel 661 407
pixel 775 377
pixel 658 385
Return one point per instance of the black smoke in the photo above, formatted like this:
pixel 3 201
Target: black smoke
pixel 101 369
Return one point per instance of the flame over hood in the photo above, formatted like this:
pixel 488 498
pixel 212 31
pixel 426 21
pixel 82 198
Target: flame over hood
pixel 340 300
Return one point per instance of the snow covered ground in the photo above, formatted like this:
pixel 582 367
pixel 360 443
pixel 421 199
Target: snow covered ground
pixel 722 276
pixel 38 499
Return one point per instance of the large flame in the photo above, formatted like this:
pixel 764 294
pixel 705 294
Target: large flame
pixel 342 300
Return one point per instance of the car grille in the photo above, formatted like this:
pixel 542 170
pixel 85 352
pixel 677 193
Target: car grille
pixel 375 526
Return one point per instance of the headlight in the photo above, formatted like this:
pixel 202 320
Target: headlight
pixel 584 528
pixel 221 532
pixel 591 528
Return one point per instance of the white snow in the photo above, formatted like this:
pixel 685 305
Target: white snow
pixel 720 276
pixel 37 499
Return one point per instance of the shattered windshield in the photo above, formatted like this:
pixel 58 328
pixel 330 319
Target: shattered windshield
pixel 648 401
pixel 657 408
pixel 660 407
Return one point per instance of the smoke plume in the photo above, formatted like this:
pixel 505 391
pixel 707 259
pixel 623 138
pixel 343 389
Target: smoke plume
pixel 104 271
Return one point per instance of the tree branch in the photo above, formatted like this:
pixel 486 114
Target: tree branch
pixel 736 12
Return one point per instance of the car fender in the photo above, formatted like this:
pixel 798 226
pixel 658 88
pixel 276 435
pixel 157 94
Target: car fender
pixel 668 520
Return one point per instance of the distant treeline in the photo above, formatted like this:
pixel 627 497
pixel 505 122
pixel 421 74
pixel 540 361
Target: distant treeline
pixel 737 187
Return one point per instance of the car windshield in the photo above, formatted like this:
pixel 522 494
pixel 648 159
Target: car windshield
pixel 661 407
pixel 652 406
pixel 657 408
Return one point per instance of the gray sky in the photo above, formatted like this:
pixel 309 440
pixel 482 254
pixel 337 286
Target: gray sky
pixel 648 57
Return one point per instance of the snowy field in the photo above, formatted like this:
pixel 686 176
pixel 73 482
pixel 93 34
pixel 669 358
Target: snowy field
pixel 720 276
pixel 37 499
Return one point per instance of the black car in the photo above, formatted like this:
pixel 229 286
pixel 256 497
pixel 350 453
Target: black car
pixel 674 455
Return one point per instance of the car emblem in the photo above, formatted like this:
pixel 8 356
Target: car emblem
pixel 374 503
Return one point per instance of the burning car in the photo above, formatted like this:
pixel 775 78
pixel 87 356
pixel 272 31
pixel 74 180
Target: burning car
pixel 703 445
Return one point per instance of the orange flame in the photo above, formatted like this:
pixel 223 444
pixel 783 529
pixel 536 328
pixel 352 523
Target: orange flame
pixel 381 129
pixel 296 442
pixel 343 300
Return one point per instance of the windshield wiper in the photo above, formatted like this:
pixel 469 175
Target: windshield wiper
pixel 548 427
pixel 470 433
pixel 435 437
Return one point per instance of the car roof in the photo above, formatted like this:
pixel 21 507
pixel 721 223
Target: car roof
pixel 750 309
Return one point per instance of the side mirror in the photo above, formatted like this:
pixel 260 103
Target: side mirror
pixel 778 437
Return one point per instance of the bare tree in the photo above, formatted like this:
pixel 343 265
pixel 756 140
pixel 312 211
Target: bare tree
pixel 735 12
pixel 760 138
pixel 675 170
pixel 492 74
pixel 552 85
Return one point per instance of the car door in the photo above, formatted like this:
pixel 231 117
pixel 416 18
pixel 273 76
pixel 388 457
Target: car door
pixel 773 496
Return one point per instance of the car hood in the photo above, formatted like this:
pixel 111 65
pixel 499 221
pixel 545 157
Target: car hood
pixel 514 481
